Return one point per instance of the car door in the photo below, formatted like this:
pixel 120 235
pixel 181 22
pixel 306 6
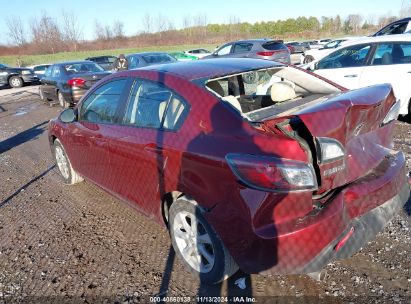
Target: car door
pixel 87 145
pixel 45 82
pixel 138 152
pixel 345 66
pixel 391 63
pixel 52 82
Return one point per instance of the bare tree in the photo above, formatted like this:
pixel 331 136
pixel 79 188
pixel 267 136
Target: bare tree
pixel 355 22
pixel 71 29
pixel 46 34
pixel 118 29
pixel 147 23
pixel 161 23
pixel 98 30
pixel 16 30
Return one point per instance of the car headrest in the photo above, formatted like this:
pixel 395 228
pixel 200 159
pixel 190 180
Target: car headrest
pixel 282 91
pixel 233 101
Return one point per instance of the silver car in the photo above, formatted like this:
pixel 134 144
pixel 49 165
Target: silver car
pixel 139 60
pixel 268 49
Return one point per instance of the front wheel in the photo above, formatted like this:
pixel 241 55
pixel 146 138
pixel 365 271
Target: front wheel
pixel 63 163
pixel 15 82
pixel 197 245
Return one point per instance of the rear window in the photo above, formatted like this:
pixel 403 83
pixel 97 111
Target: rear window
pixel 274 46
pixel 158 58
pixel 77 68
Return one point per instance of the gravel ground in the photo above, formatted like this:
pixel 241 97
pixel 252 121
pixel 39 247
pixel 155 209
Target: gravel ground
pixel 70 244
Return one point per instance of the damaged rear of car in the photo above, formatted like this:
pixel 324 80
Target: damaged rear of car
pixel 326 179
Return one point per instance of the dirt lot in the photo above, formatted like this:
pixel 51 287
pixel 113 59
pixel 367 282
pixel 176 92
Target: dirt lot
pixel 78 244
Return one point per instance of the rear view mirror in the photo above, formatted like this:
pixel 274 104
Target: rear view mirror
pixel 68 115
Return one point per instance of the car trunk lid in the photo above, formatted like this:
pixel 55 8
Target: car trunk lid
pixel 354 119
pixel 90 78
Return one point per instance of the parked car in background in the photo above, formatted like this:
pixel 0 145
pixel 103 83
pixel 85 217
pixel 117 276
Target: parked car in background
pixel 199 53
pixel 39 70
pixel 16 77
pixel 369 61
pixel 311 55
pixel 324 41
pixel 66 82
pixel 397 27
pixel 313 44
pixel 296 47
pixel 139 60
pixel 241 172
pixel 180 56
pixel 106 62
pixel 268 49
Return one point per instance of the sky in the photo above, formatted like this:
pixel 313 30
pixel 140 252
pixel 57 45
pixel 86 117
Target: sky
pixel 132 12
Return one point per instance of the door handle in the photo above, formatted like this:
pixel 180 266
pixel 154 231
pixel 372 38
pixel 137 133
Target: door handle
pixel 351 76
pixel 153 148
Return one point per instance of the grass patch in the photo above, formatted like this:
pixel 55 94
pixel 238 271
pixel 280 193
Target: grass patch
pixel 67 56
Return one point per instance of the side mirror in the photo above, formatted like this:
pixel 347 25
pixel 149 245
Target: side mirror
pixel 68 116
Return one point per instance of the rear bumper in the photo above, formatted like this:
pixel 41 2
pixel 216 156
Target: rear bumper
pixel 360 231
pixel 309 242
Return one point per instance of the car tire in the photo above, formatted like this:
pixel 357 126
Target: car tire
pixel 16 82
pixel 200 249
pixel 69 175
pixel 308 59
pixel 62 101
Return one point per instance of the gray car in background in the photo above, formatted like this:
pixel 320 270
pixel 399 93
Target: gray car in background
pixel 268 49
pixel 139 60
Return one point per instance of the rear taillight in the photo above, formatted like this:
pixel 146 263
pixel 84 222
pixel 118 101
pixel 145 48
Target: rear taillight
pixel 272 174
pixel 265 53
pixel 75 82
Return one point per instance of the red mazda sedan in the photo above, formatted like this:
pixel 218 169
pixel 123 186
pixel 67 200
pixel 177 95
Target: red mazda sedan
pixel 250 164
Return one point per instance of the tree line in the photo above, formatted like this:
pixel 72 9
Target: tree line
pixel 46 34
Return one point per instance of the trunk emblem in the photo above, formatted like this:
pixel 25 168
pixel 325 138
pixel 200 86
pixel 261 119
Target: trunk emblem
pixel 94 76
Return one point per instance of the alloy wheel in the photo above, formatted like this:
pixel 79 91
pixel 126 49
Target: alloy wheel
pixel 193 242
pixel 62 162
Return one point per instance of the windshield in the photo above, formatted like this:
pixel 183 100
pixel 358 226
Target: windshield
pixel 78 68
pixel 333 44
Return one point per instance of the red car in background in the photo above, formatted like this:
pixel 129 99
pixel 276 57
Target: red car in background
pixel 248 163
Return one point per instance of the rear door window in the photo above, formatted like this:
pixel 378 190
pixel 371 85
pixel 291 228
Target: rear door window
pixel 103 104
pixel 152 105
pixel 56 72
pixel 392 53
pixel 242 47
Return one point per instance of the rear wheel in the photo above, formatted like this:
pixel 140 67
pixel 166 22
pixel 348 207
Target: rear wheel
pixel 308 59
pixel 15 82
pixel 63 163
pixel 62 101
pixel 198 246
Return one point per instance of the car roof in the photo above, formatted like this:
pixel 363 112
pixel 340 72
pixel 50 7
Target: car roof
pixel 74 62
pixel 147 53
pixel 212 68
pixel 386 38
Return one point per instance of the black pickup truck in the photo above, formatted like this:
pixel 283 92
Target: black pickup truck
pixel 16 77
